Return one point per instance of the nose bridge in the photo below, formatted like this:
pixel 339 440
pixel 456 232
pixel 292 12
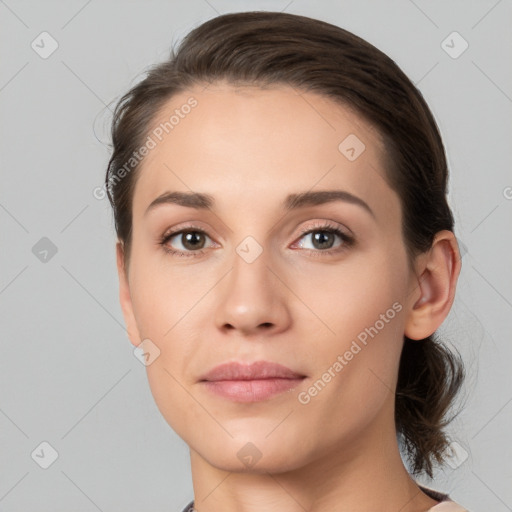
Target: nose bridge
pixel 252 295
pixel 250 265
pixel 251 276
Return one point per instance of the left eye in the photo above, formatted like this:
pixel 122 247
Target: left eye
pixel 323 239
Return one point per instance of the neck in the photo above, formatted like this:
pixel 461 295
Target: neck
pixel 364 474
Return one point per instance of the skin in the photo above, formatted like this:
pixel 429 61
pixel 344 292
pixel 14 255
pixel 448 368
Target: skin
pixel 249 148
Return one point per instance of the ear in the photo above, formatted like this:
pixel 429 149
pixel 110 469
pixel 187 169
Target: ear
pixel 125 297
pixel 434 286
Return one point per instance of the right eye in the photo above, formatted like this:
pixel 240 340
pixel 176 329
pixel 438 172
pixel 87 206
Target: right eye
pixel 191 240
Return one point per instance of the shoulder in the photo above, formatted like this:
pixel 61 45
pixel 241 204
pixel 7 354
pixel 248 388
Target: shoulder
pixel 190 507
pixel 445 503
pixel 448 506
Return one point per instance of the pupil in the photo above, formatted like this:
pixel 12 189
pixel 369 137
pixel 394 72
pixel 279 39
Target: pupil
pixel 322 237
pixel 191 239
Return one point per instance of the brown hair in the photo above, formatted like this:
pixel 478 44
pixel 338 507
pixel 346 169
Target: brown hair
pixel 262 48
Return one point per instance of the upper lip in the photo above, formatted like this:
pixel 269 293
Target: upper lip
pixel 257 370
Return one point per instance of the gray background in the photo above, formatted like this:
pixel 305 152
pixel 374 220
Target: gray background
pixel 68 375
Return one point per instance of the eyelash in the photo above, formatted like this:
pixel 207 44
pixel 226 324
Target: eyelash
pixel 347 240
pixel 167 236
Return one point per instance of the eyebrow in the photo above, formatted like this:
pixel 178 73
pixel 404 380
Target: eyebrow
pixel 202 201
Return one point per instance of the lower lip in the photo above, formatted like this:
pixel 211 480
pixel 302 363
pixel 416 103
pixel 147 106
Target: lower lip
pixel 251 390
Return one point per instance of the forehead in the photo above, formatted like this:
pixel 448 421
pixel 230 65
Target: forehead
pixel 254 146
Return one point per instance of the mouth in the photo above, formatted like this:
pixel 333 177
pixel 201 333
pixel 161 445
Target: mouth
pixel 251 390
pixel 255 382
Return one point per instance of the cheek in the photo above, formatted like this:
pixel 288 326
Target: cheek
pixel 162 294
pixel 360 335
pixel 343 301
pixel 174 402
pixel 355 372
pixel 166 309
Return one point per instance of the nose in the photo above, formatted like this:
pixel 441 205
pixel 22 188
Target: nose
pixel 253 298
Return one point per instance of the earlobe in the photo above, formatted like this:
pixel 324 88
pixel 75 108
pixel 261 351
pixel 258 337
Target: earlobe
pixel 438 271
pixel 125 297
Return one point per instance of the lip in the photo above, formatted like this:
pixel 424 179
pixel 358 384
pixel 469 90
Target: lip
pixel 253 382
pixel 252 371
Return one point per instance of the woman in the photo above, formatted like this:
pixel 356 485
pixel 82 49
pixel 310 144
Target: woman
pixel 285 255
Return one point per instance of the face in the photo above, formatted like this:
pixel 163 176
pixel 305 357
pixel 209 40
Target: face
pixel 319 284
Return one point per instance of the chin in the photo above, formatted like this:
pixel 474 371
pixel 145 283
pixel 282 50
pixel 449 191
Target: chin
pixel 250 456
